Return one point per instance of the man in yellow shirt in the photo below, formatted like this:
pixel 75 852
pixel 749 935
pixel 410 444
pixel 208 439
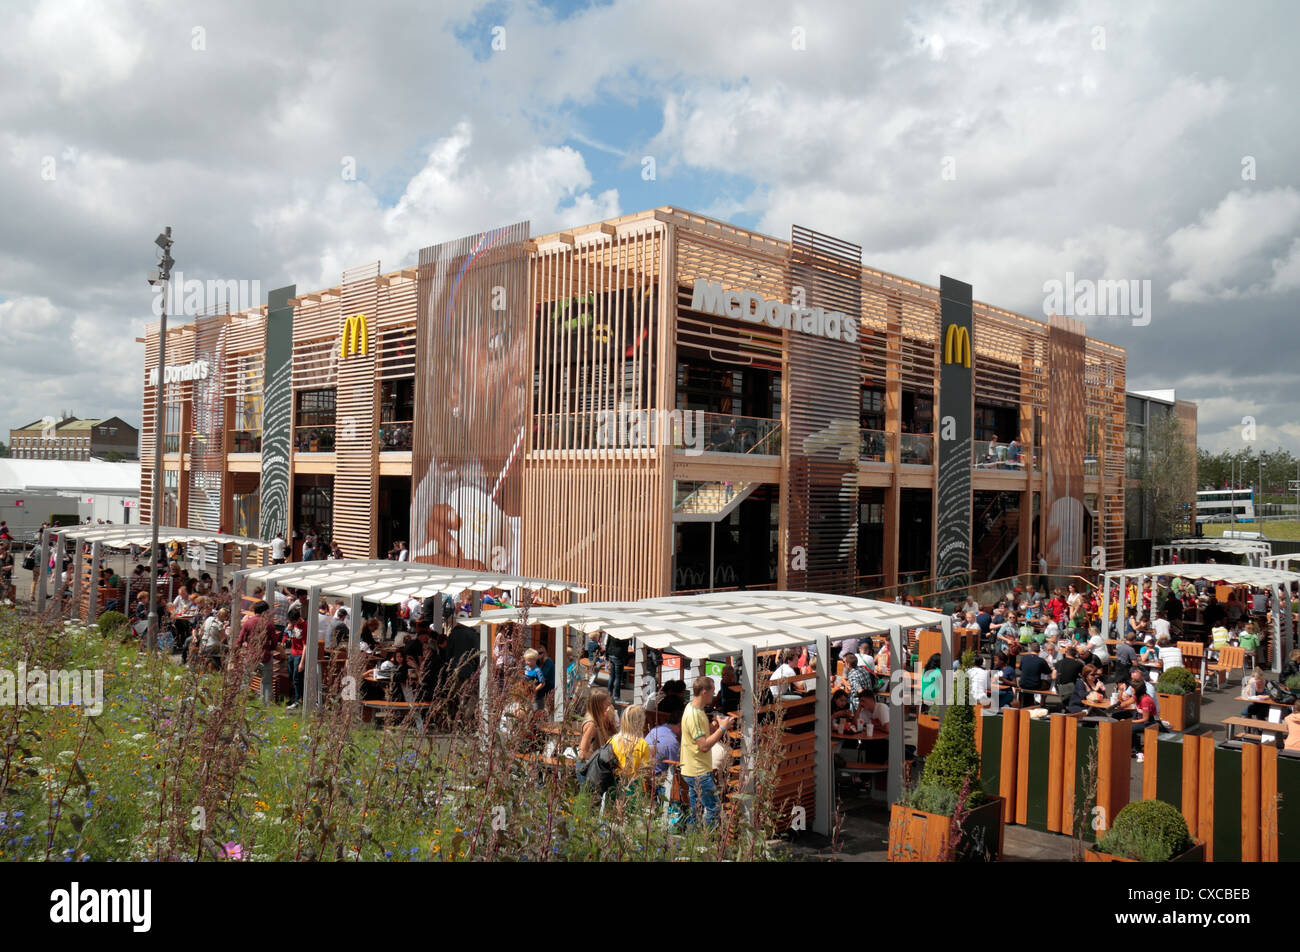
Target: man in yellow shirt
pixel 697 740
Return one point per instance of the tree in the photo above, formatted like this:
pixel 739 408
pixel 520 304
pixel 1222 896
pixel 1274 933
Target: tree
pixel 4 450
pixel 1167 477
pixel 113 456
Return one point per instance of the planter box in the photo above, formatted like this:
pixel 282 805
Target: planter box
pixel 1180 710
pixel 919 837
pixel 1194 855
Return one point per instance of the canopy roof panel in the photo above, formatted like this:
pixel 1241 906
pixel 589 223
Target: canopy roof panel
pixel 1215 572
pixel 705 626
pixel 388 582
pixel 120 537
pixel 1236 546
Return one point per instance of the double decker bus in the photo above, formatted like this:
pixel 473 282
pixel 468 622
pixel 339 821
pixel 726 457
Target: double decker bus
pixel 1225 505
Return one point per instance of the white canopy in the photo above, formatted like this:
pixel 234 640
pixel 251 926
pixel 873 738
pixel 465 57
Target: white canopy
pixel 1278 581
pixel 123 536
pixel 387 582
pixel 1253 549
pixel 723 624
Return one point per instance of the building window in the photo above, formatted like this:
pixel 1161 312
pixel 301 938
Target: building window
pixel 872 416
pixel 314 422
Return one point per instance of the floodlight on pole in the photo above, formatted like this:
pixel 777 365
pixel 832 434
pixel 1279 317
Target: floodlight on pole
pixel 158 276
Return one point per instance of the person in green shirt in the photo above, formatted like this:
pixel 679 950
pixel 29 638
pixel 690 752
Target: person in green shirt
pixel 698 739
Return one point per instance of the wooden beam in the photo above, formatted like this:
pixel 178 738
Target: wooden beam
pixel 566 237
pixel 410 273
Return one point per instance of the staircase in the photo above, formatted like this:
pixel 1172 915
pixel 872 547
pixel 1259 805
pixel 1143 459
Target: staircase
pixel 996 540
pixel 710 502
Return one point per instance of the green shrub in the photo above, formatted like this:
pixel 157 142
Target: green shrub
pixel 111 622
pixel 931 798
pixel 1177 681
pixel 967 659
pixel 1293 684
pixel 1151 831
pixel 954 759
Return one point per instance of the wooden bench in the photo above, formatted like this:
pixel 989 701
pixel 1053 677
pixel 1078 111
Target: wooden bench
pixel 384 709
pixel 1253 724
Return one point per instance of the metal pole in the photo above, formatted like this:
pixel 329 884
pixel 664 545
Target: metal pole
pixel 42 570
pixel 311 666
pixel 155 507
pixel 824 763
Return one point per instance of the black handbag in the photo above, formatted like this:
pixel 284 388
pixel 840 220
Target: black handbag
pixel 29 563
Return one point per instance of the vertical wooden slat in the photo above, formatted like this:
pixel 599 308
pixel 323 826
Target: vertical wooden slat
pixel 1250 818
pixel 1205 792
pixel 1022 766
pixel 1268 805
pixel 1056 771
pixel 1008 768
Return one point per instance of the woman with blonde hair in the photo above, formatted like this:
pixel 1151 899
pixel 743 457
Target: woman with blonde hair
pixel 629 743
pixel 600 724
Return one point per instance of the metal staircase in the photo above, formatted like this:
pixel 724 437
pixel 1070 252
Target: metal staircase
pixel 709 501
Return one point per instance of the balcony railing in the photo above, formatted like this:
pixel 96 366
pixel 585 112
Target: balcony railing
pixel 916 449
pixel 689 430
pixel 875 446
pixel 396 436
pixel 1091 466
pixel 245 441
pixel 996 454
pixel 313 439
pixel 171 442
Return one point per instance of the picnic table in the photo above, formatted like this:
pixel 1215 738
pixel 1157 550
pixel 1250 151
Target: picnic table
pixel 1257 725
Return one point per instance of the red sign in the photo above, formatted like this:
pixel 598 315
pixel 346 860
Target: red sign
pixel 18 503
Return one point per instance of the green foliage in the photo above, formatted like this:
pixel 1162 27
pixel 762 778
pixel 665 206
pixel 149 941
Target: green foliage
pixel 1177 681
pixel 111 622
pixel 1151 831
pixel 954 757
pixel 968 659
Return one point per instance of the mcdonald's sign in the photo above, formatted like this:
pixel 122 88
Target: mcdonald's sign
pixel 956 345
pixel 357 334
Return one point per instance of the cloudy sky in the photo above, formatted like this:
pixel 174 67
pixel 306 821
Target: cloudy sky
pixel 1006 144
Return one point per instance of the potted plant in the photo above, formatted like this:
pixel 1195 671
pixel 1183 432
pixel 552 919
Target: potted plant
pixel 1147 831
pixel 1180 698
pixel 947 816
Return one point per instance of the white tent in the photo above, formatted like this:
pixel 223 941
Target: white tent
pixel 726 624
pixel 1275 580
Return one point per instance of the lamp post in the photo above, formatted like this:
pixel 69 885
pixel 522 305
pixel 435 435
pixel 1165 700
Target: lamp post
pixel 158 277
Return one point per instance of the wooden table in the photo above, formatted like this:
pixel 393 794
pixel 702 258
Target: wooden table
pixel 1264 699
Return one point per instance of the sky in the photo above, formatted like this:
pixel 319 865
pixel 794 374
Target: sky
pixel 1011 145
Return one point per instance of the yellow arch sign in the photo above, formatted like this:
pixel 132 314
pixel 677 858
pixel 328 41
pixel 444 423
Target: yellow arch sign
pixel 355 334
pixel 956 346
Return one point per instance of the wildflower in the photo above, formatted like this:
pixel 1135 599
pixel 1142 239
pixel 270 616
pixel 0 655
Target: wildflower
pixel 232 851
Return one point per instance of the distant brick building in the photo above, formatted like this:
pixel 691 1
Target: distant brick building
pixel 74 439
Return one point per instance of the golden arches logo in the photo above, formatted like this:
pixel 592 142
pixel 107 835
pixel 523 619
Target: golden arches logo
pixel 356 334
pixel 956 346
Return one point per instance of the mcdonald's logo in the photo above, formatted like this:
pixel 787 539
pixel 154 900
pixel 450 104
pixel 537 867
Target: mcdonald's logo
pixel 355 333
pixel 956 346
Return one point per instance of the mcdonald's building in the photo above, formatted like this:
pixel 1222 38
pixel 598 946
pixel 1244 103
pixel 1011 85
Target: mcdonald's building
pixel 657 403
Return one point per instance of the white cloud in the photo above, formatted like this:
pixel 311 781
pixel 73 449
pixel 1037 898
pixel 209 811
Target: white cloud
pixel 1224 255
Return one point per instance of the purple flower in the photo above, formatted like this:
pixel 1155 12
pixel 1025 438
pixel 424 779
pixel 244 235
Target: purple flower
pixel 232 851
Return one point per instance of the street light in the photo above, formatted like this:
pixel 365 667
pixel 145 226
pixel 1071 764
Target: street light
pixel 158 277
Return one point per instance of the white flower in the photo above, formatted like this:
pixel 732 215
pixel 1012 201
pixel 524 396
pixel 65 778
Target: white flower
pixel 139 736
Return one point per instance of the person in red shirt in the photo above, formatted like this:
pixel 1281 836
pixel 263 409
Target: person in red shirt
pixel 256 632
pixel 1144 715
pixel 295 639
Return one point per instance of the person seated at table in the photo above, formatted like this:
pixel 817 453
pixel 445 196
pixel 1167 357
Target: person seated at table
pixel 1255 686
pixel 843 719
pixel 1126 657
pixel 1008 632
pixel 786 670
pixel 871 711
pixel 931 679
pixel 1087 687
pixel 859 679
pixel 1035 672
pixel 1004 676
pixel 977 679
pixel 1292 722
pixel 369 634
pixel 1143 718
pixel 1068 670
pixel 1169 655
pixel 1292 666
